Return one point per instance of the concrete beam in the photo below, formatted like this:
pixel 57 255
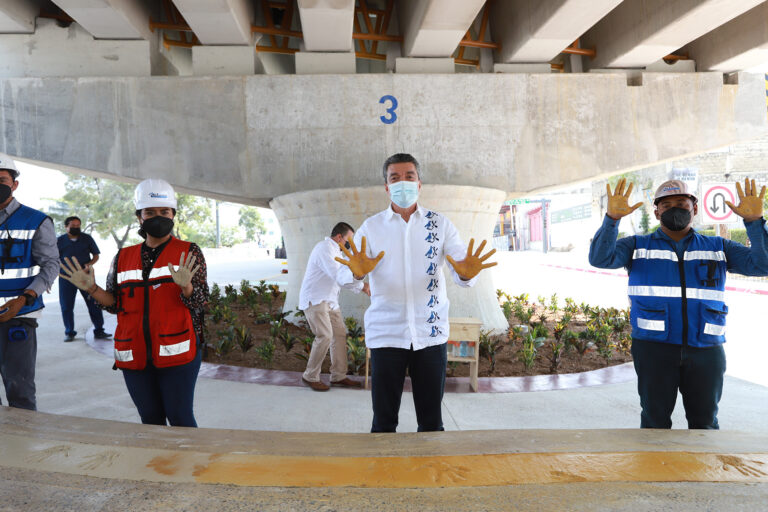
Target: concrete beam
pixel 223 60
pixel 742 43
pixel 327 24
pixel 639 32
pixel 537 31
pixel 219 22
pixel 109 19
pixel 433 28
pixel 18 16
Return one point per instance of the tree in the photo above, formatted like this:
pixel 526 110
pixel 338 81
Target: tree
pixel 105 206
pixel 193 221
pixel 251 221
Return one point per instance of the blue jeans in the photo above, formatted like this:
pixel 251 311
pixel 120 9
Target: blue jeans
pixel 67 295
pixel 165 395
pixel 426 367
pixel 663 369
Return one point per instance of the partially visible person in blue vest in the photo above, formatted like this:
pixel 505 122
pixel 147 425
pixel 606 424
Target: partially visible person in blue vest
pixel 76 245
pixel 29 262
pixel 158 290
pixel 677 295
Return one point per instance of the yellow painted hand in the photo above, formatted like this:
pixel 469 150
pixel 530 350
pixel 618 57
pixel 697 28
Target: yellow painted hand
pixel 359 262
pixel 618 201
pixel 750 204
pixel 470 266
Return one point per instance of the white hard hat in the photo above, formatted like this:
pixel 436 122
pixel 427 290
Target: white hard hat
pixel 154 193
pixel 8 164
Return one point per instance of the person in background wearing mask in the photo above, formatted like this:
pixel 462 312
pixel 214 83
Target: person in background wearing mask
pixel 159 308
pixel 29 263
pixel 76 245
pixel 406 326
pixel 319 299
pixel 677 293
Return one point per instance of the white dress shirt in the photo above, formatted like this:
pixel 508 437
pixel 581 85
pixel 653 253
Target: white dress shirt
pixel 409 304
pixel 319 284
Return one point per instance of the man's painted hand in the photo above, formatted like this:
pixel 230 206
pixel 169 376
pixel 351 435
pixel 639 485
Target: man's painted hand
pixel 618 201
pixel 359 262
pixel 750 204
pixel 82 277
pixel 473 263
pixel 11 308
pixel 187 269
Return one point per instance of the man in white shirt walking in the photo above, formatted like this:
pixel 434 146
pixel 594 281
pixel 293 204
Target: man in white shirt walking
pixel 319 299
pixel 406 326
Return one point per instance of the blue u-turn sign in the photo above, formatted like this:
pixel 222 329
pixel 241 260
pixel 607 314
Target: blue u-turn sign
pixel 391 116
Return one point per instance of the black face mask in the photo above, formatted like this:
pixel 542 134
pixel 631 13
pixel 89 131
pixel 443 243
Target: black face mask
pixel 347 245
pixel 74 231
pixel 5 193
pixel 676 219
pixel 157 226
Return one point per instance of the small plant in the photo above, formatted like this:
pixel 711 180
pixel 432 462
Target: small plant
pixel 584 341
pixel 624 344
pixel 214 297
pixel 355 354
pixel 540 333
pixel 515 333
pixel 452 365
pixel 288 339
pixel 553 307
pixel 306 344
pixel 225 342
pixel 489 346
pixel 243 339
pixel 261 290
pixel 527 353
pixel 506 307
pixel 230 294
pixel 557 347
pixel 571 306
pixel 561 326
pixel 543 301
pixel 266 351
pixel 568 337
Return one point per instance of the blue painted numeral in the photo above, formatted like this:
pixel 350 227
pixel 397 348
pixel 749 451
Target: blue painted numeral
pixel 391 110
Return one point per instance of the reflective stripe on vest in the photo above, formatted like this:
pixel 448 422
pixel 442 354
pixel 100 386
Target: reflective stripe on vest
pixel 19 234
pixel 654 254
pixel 175 349
pixel 19 268
pixel 135 275
pixel 20 273
pixel 713 329
pixel 123 355
pixel 675 291
pixel 651 325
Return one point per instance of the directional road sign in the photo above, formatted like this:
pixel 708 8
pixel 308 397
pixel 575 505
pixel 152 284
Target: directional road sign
pixel 712 205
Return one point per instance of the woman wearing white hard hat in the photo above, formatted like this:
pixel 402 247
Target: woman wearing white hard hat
pixel 159 310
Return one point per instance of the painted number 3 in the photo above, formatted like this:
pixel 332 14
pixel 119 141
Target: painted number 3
pixel 391 117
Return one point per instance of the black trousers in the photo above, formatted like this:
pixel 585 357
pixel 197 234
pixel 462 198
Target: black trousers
pixel 426 367
pixel 18 353
pixel 663 369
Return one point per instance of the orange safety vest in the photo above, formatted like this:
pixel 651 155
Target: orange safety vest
pixel 153 325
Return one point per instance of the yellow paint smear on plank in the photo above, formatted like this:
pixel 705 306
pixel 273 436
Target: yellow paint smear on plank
pixel 483 470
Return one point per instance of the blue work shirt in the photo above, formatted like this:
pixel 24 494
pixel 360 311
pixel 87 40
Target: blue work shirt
pixel 607 252
pixel 80 249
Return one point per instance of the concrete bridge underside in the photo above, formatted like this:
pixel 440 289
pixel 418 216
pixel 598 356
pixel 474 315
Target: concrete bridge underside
pixel 50 462
pixel 311 147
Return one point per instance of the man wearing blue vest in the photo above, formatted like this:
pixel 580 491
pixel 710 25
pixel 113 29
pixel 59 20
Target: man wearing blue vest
pixel 677 293
pixel 79 246
pixel 29 263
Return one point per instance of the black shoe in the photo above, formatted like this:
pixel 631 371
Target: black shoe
pixel 101 335
pixel 70 336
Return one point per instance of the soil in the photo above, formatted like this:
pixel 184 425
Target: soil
pixel 507 362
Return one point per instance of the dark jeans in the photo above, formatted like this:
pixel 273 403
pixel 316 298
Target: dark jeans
pixel 67 295
pixel 18 353
pixel 663 368
pixel 426 367
pixel 165 393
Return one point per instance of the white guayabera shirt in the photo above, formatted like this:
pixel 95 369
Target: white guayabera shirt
pixel 319 283
pixel 409 304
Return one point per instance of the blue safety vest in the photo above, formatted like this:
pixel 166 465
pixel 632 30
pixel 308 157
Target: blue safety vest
pixel 678 302
pixel 17 269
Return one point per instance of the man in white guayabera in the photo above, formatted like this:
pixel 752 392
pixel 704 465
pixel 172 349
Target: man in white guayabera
pixel 406 326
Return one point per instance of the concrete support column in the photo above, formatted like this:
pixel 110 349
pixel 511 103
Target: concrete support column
pixel 307 217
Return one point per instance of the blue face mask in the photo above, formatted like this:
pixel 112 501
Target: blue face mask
pixel 404 193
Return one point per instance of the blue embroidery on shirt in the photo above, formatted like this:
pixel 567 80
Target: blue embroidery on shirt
pixel 432 252
pixel 433 284
pixel 435 332
pixel 430 215
pixel 431 225
pixel 433 301
pixel 432 269
pixel 433 318
pixel 432 238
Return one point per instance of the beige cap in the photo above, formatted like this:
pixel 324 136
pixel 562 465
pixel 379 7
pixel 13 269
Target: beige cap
pixel 672 188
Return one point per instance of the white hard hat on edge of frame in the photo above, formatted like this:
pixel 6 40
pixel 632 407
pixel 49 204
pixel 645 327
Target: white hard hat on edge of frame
pixel 154 193
pixel 7 163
